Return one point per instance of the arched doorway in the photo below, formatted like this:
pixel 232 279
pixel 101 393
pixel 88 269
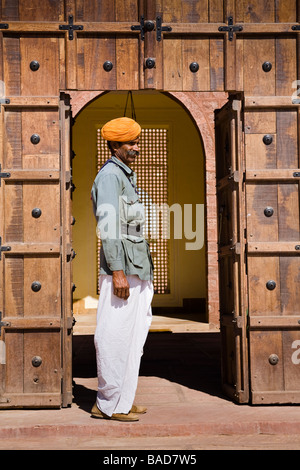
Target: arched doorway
pixel 181 264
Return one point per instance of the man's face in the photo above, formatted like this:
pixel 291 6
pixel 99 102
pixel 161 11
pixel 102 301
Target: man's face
pixel 127 151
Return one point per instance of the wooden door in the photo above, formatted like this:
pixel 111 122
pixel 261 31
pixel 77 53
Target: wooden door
pixel 35 272
pixel 273 244
pixel 231 246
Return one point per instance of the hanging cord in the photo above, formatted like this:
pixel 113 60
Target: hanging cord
pixel 133 115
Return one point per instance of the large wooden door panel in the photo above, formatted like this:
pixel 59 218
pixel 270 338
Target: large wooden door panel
pixel 231 247
pixel 36 310
pixel 273 242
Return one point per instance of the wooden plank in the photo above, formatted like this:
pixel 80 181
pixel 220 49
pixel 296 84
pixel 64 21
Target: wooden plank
pixel 265 376
pixel 195 11
pixel 13 210
pixel 47 377
pixel 262 269
pixel 230 50
pixel 46 301
pixel 32 175
pixel 287 144
pixel 259 226
pixel 282 175
pixel 286 64
pixel 172 64
pixel 269 398
pixel 124 27
pixel 11 65
pixel 32 323
pixel 260 121
pixel 45 123
pixel 93 10
pixel 259 155
pixel 33 248
pixel 14 299
pixel 286 11
pixel 45 50
pixel 195 50
pixel 274 322
pixel 92 52
pixel 257 12
pixel 32 101
pixel 274 247
pixel 213 28
pixel 127 52
pixel 24 400
pixel 66 241
pixel 46 198
pixel 151 78
pixel 49 10
pixel 270 102
pixel 216 54
pixel 125 9
pixel 216 11
pixel 14 345
pixel 256 80
pixel 288 212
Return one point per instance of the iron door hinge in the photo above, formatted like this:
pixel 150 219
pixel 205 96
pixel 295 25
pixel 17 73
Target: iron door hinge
pixel 71 27
pixel 3 175
pixel 230 28
pixel 160 28
pixel 149 25
pixel 4 26
pixel 3 323
pixel 140 27
pixel 3 248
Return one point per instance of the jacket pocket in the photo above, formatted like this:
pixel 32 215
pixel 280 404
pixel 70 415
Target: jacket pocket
pixel 136 253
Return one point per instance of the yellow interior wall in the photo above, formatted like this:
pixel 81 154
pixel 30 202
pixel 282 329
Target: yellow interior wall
pixel 186 186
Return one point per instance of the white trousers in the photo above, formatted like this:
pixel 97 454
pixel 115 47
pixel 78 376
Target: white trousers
pixel 121 332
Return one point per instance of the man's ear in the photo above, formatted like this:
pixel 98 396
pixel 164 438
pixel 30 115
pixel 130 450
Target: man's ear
pixel 114 145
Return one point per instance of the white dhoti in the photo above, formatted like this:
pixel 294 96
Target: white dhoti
pixel 121 332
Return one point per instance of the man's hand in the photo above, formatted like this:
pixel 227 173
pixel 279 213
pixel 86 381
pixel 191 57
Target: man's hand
pixel 121 285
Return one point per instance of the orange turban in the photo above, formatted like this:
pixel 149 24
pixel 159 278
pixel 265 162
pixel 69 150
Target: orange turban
pixel 121 129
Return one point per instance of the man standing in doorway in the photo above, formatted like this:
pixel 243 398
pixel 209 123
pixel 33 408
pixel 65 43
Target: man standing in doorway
pixel 126 274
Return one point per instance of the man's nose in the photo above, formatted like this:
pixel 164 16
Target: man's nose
pixel 136 147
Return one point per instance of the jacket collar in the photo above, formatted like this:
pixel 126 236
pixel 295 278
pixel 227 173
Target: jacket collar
pixel 122 165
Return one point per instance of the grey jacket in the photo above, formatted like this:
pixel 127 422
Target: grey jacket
pixel 120 219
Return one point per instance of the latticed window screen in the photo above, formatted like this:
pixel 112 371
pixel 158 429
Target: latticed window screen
pixel 152 183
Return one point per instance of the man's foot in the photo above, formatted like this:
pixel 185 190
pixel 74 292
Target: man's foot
pixel 138 409
pixel 96 413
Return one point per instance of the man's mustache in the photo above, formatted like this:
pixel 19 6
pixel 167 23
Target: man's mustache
pixel 133 153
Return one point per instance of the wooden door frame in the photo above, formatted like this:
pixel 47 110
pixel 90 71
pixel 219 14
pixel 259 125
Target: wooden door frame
pixel 200 106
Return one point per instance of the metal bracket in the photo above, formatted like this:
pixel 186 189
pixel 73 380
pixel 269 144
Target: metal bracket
pixel 4 26
pixel 238 322
pixel 71 27
pixel 140 27
pixel 145 26
pixel 3 323
pixel 296 27
pixel 160 28
pixel 230 28
pixel 3 248
pixel 3 175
